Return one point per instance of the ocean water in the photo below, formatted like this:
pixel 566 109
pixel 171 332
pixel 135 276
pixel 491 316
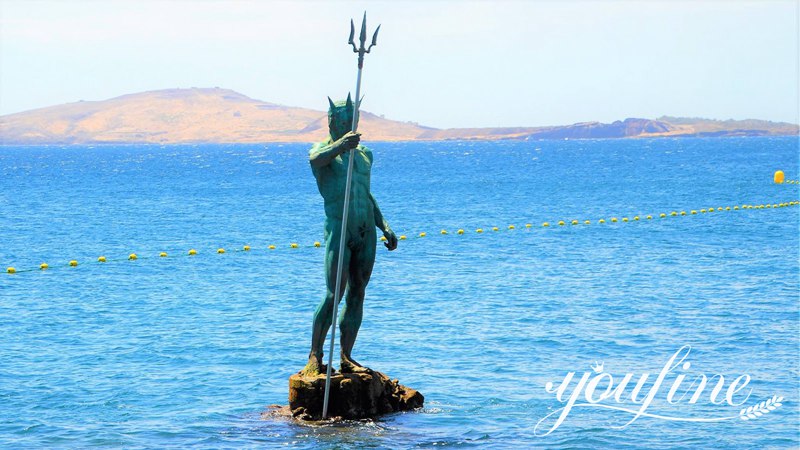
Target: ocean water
pixel 190 350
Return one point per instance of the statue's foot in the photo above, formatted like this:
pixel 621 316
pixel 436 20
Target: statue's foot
pixel 350 366
pixel 314 366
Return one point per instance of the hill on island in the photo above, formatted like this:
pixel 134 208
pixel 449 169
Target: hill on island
pixel 215 115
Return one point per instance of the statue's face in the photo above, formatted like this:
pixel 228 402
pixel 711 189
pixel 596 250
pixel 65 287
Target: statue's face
pixel 340 118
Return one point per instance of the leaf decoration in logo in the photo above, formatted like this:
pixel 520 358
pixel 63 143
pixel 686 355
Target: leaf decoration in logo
pixel 759 409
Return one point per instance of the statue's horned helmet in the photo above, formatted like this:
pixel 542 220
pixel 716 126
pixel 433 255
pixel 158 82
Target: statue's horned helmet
pixel 340 117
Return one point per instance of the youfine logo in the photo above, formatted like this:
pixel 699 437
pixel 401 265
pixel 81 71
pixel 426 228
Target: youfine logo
pixel 670 389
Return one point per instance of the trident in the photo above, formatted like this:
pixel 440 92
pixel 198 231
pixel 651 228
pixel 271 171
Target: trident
pixel 343 236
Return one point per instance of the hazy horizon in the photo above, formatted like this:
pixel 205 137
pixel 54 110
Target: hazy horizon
pixel 322 109
pixel 440 64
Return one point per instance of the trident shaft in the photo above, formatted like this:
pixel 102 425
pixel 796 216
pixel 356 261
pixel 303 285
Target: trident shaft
pixel 361 50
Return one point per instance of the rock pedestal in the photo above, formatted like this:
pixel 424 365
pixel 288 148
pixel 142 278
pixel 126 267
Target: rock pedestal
pixel 352 395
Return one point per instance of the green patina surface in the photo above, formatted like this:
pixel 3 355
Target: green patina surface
pixel 329 161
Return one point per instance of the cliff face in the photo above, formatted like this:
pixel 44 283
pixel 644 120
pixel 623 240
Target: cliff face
pixel 216 115
pixel 596 130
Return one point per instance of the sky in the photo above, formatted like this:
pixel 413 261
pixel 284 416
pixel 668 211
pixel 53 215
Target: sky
pixel 438 63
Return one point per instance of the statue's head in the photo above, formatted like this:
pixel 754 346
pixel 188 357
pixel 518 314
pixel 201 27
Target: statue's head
pixel 340 117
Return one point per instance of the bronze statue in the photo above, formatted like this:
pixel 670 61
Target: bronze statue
pixel 342 169
pixel 329 163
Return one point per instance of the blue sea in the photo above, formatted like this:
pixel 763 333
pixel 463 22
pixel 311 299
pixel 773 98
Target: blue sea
pixel 189 351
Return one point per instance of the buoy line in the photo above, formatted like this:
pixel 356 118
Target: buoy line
pixel 421 235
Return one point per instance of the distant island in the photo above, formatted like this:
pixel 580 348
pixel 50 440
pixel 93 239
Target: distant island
pixel 214 115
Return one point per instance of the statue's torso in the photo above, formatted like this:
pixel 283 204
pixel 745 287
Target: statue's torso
pixel 331 181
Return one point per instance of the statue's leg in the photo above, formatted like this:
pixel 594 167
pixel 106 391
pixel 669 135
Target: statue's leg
pixel 323 316
pixel 361 262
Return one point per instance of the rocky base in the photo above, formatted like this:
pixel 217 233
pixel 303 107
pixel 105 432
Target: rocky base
pixel 352 396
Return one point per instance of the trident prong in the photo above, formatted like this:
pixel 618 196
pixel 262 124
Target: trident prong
pixel 374 39
pixel 363 37
pixel 352 35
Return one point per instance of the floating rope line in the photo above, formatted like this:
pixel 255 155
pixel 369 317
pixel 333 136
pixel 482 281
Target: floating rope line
pixel 421 235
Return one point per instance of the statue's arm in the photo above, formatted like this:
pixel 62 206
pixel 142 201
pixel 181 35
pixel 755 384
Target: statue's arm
pixel 380 222
pixel 383 225
pixel 322 154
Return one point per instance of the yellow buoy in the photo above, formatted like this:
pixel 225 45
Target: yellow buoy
pixel 736 207
pixel 710 209
pixel 614 220
pixel 574 222
pixel 586 222
pixel 220 250
pixel 673 213
pixel 192 252
pixel 528 225
pixel 383 238
pixel 246 248
pixel 271 247
pixel 43 266
pixel 293 245
pixel 727 208
pixel 662 215
pixel 624 219
pixel 422 234
pixel 443 232
pixel 778 177
pixel 317 244
pixel 511 227
pixel 403 237
pixel 495 229
pixel 100 259
pixel 163 254
pixel 11 270
pixel 546 224
pixel 74 263
pixel 693 211
pixel 561 222
pixel 601 221
pixel 132 256
pixel 683 213
pixel 460 231
pixel 479 230
pixel 635 217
